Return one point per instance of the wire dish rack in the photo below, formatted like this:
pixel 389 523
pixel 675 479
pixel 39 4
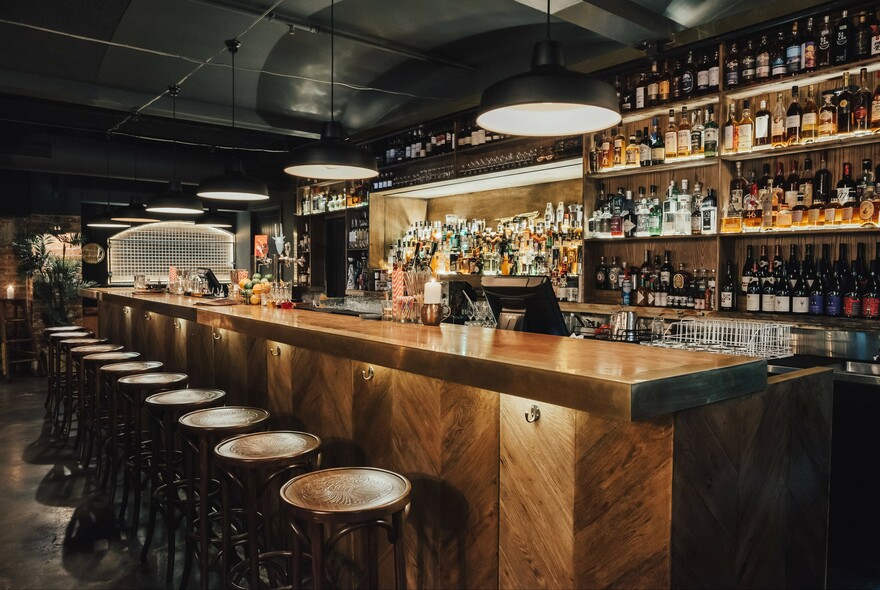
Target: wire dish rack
pixel 734 337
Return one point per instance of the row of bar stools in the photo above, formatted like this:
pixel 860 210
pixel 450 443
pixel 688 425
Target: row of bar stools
pixel 114 438
pixel 166 475
pixel 80 400
pixel 258 463
pixel 95 414
pixel 68 392
pixel 51 375
pixel 133 391
pixel 57 369
pixel 333 503
pixel 202 430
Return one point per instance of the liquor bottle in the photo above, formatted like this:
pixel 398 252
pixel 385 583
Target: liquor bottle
pixel 792 185
pixel 631 157
pixel 852 297
pixel 869 203
pixel 748 64
pixel 614 272
pixel 658 148
pixel 618 147
pixel 675 81
pixel 683 211
pixel 688 81
pixel 800 294
pixel 845 107
pixel 646 269
pixel 779 185
pixel 733 217
pixel 697 129
pixel 875 104
pixel 793 119
pixel 745 130
pixel 710 133
pixel 663 86
pixel 809 119
pixel 703 74
pixel 799 213
pixel 808 48
pixel 793 51
pixel 752 211
pixel 606 150
pixel 749 269
pixel 862 104
pixel 728 290
pixel 645 148
pixel 816 305
pixel 670 138
pixel 875 38
pixel 601 275
pixel 731 78
pixel 715 72
pixel 843 34
pixel 778 67
pixel 655 221
pixel 764 182
pixel 824 43
pixel 683 141
pixel 862 44
pixel 697 211
pixel 846 197
pixel 865 184
pixel 777 124
pixel 653 92
pixel 762 60
pixel 753 290
pixel 709 212
pixel 827 116
pixel 729 131
pixel 666 269
pixel 762 125
pixel 641 91
pixel 782 295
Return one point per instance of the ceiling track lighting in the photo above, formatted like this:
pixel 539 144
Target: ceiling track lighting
pixel 104 220
pixel 174 201
pixel 332 157
pixel 233 184
pixel 549 99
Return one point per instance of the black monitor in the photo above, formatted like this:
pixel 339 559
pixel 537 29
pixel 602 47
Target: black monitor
pixel 525 304
pixel 208 275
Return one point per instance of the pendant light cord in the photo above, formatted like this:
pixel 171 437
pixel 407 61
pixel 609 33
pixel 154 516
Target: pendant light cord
pixel 173 91
pixel 548 20
pixel 107 153
pixel 332 57
pixel 232 45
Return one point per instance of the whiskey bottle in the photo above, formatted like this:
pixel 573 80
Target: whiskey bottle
pixel 827 115
pixel 745 130
pixel 762 61
pixel 684 134
pixel 843 33
pixel 762 125
pixel 845 107
pixel 731 140
pixel 748 64
pixel 658 147
pixel 715 72
pixel 688 81
pixel 824 43
pixel 653 92
pixel 862 104
pixel 663 86
pixel 641 91
pixel 703 74
pixel 697 129
pixel 645 148
pixel 793 119
pixel 777 124
pixel 670 138
pixel 710 133
pixel 810 118
pixel 808 48
pixel 731 78
pixel 778 67
pixel 793 51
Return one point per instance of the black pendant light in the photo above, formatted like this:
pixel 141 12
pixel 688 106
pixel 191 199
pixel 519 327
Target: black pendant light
pixel 549 99
pixel 174 201
pixel 135 212
pixel 234 184
pixel 214 219
pixel 104 220
pixel 331 157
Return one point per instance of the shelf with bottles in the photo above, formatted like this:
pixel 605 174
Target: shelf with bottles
pixel 668 165
pixel 832 142
pixel 695 102
pixel 332 197
pixel 358 221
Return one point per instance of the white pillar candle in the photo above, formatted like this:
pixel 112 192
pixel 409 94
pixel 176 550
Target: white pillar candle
pixel 10 292
pixel 433 291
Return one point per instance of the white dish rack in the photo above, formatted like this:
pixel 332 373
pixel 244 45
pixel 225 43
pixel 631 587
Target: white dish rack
pixel 735 337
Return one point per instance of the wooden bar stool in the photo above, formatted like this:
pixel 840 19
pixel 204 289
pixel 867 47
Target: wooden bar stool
pixel 56 367
pixel 95 409
pixel 71 379
pixel 202 430
pixel 81 397
pixel 113 440
pixel 258 463
pixel 339 501
pixel 166 474
pixel 134 390
pixel 50 357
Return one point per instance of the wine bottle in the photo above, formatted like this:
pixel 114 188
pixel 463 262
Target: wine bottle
pixel 753 292
pixel 816 305
pixel 728 290
pixel 793 119
pixel 748 269
pixel 800 295
pixel 871 296
pixel 782 296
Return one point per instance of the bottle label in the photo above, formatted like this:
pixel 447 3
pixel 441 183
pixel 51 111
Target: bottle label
pixel 768 302
pixel 808 55
pixel 777 66
pixel 817 304
pixel 793 122
pixel 714 76
pixel 793 59
pixel 732 78
pixel 808 121
pixel 832 305
pixel 640 97
pixel 663 88
pixel 684 141
pixel 761 126
pixel 696 141
pixel 703 79
pixel 632 157
pixel 753 302
pixel 600 279
pixel 671 140
pixel 762 69
pixel 652 90
pixel 797 216
pixel 778 128
pixel 687 82
pixel 866 210
pixel 830 212
pixel 875 44
pixel 852 306
pixel 710 220
pixel 728 138
pixel 644 153
pixel 745 138
pixel 665 276
pixel 726 300
pixel 870 307
pixel 875 109
pixel 782 304
pixel 800 304
pixel 658 154
pixel 744 283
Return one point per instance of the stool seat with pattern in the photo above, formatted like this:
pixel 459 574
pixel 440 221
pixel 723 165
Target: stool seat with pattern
pixel 166 476
pixel 202 430
pixel 339 501
pixel 257 464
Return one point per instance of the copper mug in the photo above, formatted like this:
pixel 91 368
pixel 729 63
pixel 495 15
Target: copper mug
pixel 434 313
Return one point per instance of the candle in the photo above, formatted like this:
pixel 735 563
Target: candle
pixel 10 292
pixel 433 291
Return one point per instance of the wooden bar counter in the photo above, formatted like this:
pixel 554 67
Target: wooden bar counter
pixel 647 468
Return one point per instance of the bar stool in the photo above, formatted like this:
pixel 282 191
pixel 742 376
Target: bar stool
pixel 114 438
pixel 347 499
pixel 79 400
pixel 55 367
pixel 95 410
pixel 257 463
pixel 50 357
pixel 70 378
pixel 167 480
pixel 134 390
pixel 202 430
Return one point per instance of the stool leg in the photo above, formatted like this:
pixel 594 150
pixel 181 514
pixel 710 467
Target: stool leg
pixel 204 505
pixel 50 375
pixel 252 505
pixel 316 535
pixel 226 543
pixel 398 521
pixel 372 558
pixel 170 491
pixel 189 468
pixel 155 496
pixel 138 470
pixel 296 556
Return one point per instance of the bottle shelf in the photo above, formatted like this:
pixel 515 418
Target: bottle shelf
pixel 834 142
pixel 677 164
pixel 417 161
pixel 800 80
pixel 776 233
pixel 650 239
pixel 694 102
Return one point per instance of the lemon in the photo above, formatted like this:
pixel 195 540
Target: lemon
pixel 242 283
pixel 255 299
pixel 258 288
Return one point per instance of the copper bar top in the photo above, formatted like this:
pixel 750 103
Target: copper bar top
pixel 617 380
